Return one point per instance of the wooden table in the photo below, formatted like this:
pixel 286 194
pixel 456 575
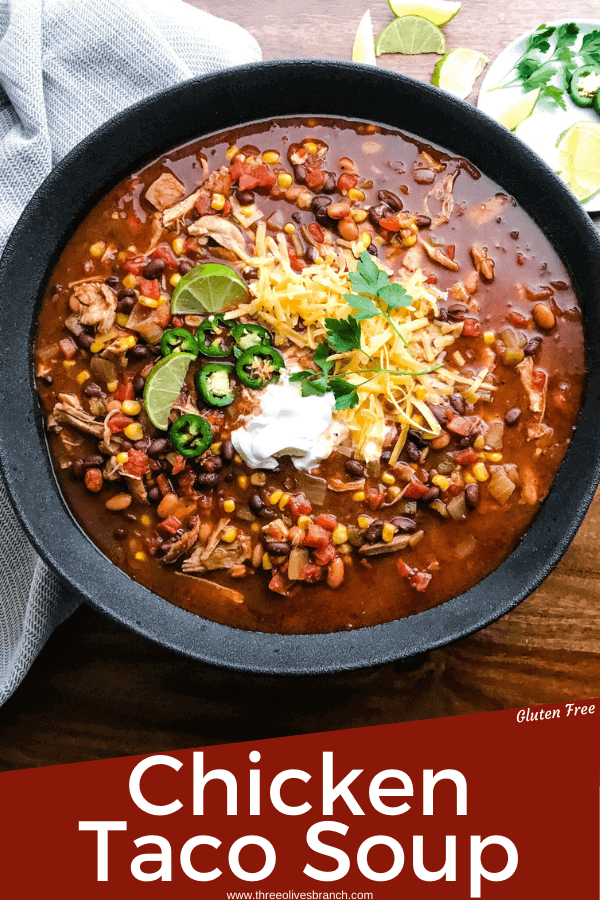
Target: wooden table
pixel 97 691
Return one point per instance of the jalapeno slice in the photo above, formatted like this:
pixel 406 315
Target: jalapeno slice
pixel 178 340
pixel 584 85
pixel 248 335
pixel 211 334
pixel 259 366
pixel 191 435
pixel 214 385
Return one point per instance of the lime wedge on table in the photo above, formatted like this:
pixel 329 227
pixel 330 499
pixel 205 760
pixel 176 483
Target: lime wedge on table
pixel 207 288
pixel 579 159
pixel 458 70
pixel 363 50
pixel 437 11
pixel 163 386
pixel 411 35
pixel 517 110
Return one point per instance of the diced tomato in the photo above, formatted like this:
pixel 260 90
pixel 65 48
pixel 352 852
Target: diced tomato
pixel 202 204
pixel 179 464
pixel 135 265
pixel 415 490
pixel 311 573
pixel 251 176
pixel 125 391
pixel 374 498
pixel 315 179
pixel 299 505
pixel 459 425
pixel 391 224
pixel 138 463
pixel 177 322
pixel 206 501
pixel 216 418
pixel 450 251
pixel 150 288
pixel 278 583
pixel 326 521
pixel 171 525
pixel 466 457
pixel 164 485
pixel 68 347
pixel 238 168
pixel 166 255
pixel 560 400
pixel 296 264
pixel 316 232
pixel 323 557
pixel 431 279
pixel 118 423
pixel 538 379
pixel 133 222
pixel 227 208
pixel 420 580
pixel 518 320
pixel 316 537
pixel 187 480
pixel 346 181
pixel 162 314
pixel 471 328
pixel 404 570
pixel 190 244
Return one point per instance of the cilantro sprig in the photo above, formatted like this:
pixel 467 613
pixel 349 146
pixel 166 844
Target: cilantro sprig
pixel 549 52
pixel 373 295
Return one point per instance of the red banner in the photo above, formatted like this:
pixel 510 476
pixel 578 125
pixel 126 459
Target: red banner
pixel 502 804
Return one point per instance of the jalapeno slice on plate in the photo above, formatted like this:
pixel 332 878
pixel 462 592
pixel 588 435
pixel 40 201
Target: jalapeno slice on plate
pixel 191 435
pixel 212 336
pixel 214 384
pixel 178 340
pixel 259 366
pixel 584 85
pixel 248 335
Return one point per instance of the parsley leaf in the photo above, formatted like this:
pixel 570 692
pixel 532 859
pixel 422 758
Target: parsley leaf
pixel 301 376
pixel 343 334
pixel 360 284
pixel 554 94
pixel 395 296
pixel 320 358
pixel 566 35
pixel 367 309
pixel 346 395
pixel 315 387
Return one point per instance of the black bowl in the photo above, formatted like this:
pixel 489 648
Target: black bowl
pixel 187 112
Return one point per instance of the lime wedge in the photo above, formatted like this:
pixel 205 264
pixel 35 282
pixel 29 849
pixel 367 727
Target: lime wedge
pixel 207 288
pixel 517 110
pixel 363 50
pixel 457 71
pixel 437 11
pixel 163 386
pixel 579 158
pixel 411 35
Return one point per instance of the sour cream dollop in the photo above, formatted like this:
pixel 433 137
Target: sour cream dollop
pixel 289 425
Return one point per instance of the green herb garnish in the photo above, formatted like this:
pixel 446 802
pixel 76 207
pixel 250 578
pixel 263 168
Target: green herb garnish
pixel 374 295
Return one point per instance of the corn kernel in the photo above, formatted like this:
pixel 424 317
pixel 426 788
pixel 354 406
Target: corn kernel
pixel 365 239
pixel 489 337
pixel 83 376
pixel 217 201
pixel 394 492
pixel 289 228
pixel 258 479
pixel 229 505
pixel 122 319
pixel 232 151
pixel 284 180
pixel 388 478
pixel 285 499
pixel 471 397
pixel 271 157
pixel 113 386
pixel 304 521
pixel 355 194
pixel 359 215
pixel 409 241
pixel 130 281
pixel 441 481
pixel 162 299
pixel 237 459
pixel 421 393
pixel 175 279
pixel 122 458
pixel 128 342
pixel 480 472
pixel 494 457
pixel 340 534
pixel 149 302
pixel 311 146
pixel 275 497
pixel 387 532
pixel 121 256
pixel 469 478
pixel 98 249
pixel 479 442
pixel 141 556
pixel 229 535
pixel 243 481
pixel 134 432
pixel 359 497
pixel 179 246
pixel 131 407
pixel 345 549
pixel 255 527
pixel 68 363
pixel 215 448
pixel 378 239
pixel 247 210
pixel 266 562
pixel 364 521
pixel 145 520
pixel 97 346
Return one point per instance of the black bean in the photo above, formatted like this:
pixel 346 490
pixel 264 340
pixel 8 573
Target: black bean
pixel 126 304
pixel 78 468
pixel 155 465
pixel 228 477
pixel 413 452
pixel 386 456
pixel 512 416
pixel 227 451
pixel 417 438
pixel 154 269
pixel 138 384
pixel 250 273
pixel 532 346
pixel 125 444
pixel 457 402
pixel 256 504
pixel 125 292
pixel 423 221
pixel 157 446
pixel 466 440
pixel 47 380
pixel 355 468
pixel 442 315
pixel 330 183
pixel 432 494
pixel 212 463
pixel 119 534
pixel 154 495
pixel 279 548
pixel 300 174
pixel 93 460
pixel 139 351
pixel 185 266
pixel 85 340
pixel 245 198
pixel 372 249
pixel 391 200
pixel 93 390
pixel 112 281
pixel 142 444
pixel 376 213
pixel 439 412
pixel 311 255
pixel 374 531
pixel 208 479
pixel 457 312
pixel 319 202
pixel 297 216
pixel 290 483
pixel 472 495
pixel 404 525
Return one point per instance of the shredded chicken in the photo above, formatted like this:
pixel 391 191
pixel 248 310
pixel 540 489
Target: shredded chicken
pixel 95 304
pixel 437 255
pixel 138 491
pixel 185 543
pixel 334 484
pixel 489 210
pixel 537 396
pixel 529 486
pixel 69 411
pixel 222 557
pixel 442 192
pixel 220 230
pixel 163 192
pixel 482 262
pixel 180 210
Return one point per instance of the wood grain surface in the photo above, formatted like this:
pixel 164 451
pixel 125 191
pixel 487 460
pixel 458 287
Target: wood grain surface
pixel 97 691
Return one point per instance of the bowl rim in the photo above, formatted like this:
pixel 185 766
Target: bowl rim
pixel 187 110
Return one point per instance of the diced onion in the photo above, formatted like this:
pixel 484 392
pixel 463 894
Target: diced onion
pixel 500 486
pixel 103 369
pixel 314 488
pixel 298 559
pixel 494 436
pixel 457 507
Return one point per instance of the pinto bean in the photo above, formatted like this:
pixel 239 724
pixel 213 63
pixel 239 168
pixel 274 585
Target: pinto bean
pixel 257 555
pixel 543 316
pixel 348 229
pixel 335 572
pixel 512 416
pixel 118 502
pixel 227 451
pixel 441 441
pixel 167 505
pixel 472 495
pixel 338 210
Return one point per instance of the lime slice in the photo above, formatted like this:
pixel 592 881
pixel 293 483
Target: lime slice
pixel 517 110
pixel 437 11
pixel 163 386
pixel 458 70
pixel 579 159
pixel 363 50
pixel 207 288
pixel 411 35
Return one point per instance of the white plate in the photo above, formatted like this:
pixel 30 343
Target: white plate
pixel 545 125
